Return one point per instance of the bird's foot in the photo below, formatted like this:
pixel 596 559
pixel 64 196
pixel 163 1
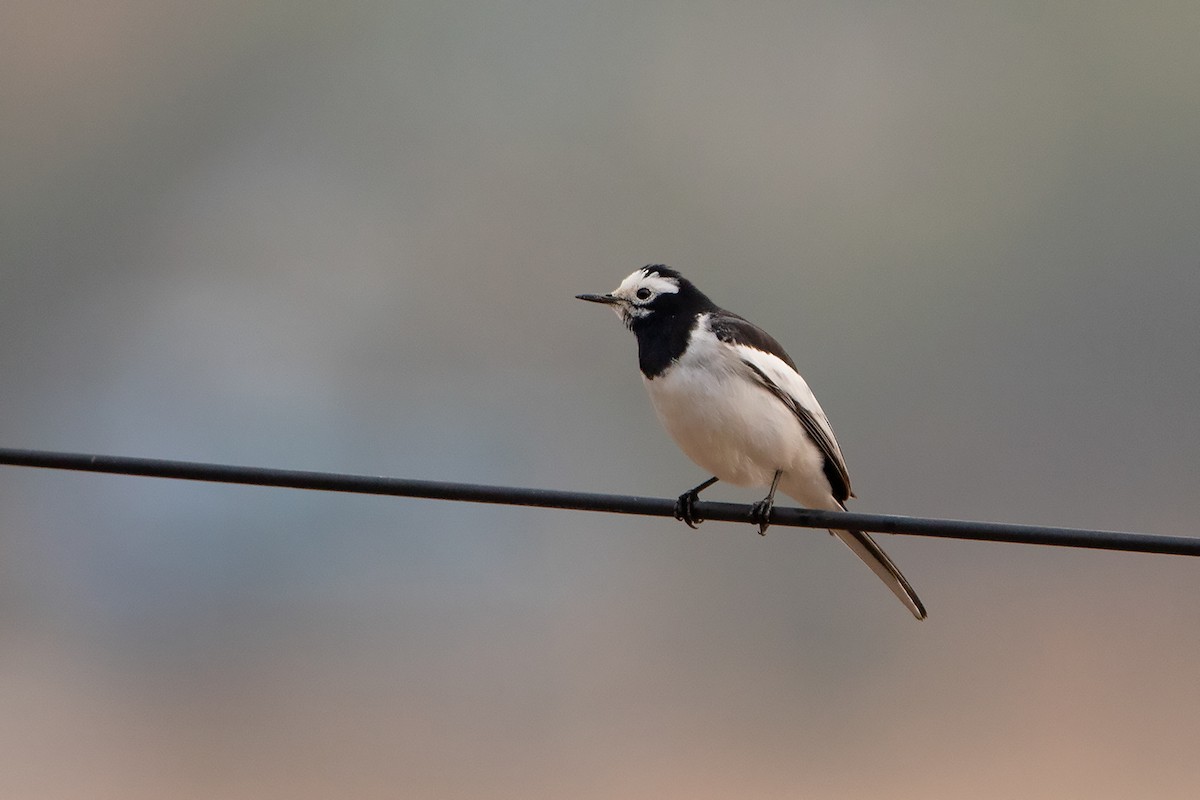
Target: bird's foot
pixel 685 508
pixel 760 514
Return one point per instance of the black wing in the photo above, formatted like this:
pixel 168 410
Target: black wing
pixel 733 329
pixel 729 327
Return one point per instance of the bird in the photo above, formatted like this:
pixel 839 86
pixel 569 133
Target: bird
pixel 732 399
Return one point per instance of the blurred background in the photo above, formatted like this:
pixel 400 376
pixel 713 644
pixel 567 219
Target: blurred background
pixel 346 237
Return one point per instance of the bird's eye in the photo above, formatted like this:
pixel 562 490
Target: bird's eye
pixel 643 293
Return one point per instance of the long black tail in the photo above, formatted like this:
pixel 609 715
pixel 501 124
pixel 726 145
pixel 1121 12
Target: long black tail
pixel 873 556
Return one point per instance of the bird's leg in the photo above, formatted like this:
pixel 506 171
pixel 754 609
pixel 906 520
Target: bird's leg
pixel 685 506
pixel 760 512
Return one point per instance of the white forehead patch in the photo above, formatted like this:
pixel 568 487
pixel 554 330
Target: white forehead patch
pixel 641 278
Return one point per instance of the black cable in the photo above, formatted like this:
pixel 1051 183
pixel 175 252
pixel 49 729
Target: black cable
pixel 611 503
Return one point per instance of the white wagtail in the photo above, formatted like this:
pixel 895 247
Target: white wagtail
pixel 732 400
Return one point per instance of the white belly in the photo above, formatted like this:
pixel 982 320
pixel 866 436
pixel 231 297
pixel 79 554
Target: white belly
pixel 739 431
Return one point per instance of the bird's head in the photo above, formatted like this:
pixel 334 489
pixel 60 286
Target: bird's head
pixel 649 292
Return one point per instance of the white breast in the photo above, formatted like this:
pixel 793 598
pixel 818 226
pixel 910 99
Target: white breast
pixel 732 427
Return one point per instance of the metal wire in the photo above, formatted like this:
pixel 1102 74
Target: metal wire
pixel 610 503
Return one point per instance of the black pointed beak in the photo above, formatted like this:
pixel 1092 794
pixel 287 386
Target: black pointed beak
pixel 607 299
